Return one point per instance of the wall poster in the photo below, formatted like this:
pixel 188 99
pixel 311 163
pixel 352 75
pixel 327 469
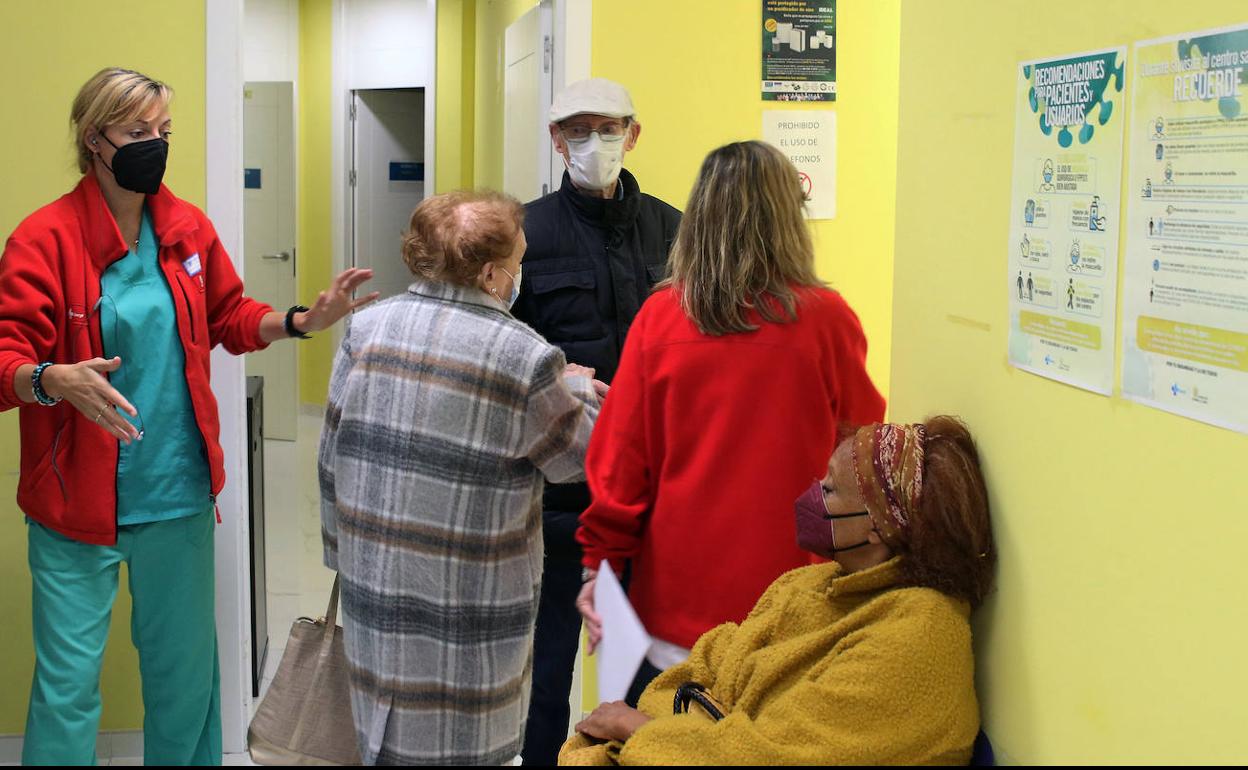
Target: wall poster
pixel 799 50
pixel 807 137
pixel 1185 273
pixel 1064 211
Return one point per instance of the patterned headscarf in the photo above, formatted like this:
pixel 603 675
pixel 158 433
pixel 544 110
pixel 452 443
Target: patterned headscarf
pixel 888 465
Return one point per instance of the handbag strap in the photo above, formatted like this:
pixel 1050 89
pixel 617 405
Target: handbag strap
pixel 331 619
pixel 692 691
pixel 327 646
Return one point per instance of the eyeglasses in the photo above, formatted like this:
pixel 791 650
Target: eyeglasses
pixel 111 349
pixel 608 132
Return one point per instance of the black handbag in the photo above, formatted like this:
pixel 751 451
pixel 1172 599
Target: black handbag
pixel 692 692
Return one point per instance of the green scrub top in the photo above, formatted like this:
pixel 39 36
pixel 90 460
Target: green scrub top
pixel 165 476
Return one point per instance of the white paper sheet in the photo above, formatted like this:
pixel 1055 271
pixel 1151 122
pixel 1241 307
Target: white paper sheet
pixel 624 639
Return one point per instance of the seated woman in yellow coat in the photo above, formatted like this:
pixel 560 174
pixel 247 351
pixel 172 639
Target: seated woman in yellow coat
pixel 865 659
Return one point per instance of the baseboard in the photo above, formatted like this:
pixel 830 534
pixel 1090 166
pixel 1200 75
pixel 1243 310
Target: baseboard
pixel 108 744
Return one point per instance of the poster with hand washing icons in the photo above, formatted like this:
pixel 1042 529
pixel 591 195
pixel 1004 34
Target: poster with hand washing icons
pixel 1185 268
pixel 1064 217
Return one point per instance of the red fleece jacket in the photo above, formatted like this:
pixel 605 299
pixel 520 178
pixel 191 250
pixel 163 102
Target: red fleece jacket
pixel 702 447
pixel 49 284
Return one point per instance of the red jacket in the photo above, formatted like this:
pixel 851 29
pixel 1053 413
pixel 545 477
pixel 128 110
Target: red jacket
pixel 704 444
pixel 49 283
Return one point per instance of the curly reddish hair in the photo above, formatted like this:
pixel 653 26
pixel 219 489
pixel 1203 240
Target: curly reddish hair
pixel 451 236
pixel 949 545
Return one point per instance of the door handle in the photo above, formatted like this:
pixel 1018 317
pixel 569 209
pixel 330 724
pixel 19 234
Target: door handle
pixel 282 256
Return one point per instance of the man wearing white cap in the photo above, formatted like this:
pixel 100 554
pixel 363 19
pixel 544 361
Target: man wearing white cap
pixel 596 247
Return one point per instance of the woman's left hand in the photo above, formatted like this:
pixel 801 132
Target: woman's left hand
pixel 335 302
pixel 614 721
pixel 585 606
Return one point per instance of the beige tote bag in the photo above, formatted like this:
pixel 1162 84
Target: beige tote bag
pixel 305 718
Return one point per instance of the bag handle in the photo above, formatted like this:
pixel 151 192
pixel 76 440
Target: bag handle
pixel 692 691
pixel 327 645
pixel 331 619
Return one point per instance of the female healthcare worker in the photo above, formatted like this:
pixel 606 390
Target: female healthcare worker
pixel 111 299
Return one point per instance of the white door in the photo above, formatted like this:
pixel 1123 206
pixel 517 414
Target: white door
pixel 388 173
pixel 528 56
pixel 270 259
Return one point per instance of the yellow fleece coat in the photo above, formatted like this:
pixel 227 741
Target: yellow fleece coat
pixel 828 668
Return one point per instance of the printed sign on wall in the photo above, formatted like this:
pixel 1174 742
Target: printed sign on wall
pixel 1064 209
pixel 808 138
pixel 799 50
pixel 1185 279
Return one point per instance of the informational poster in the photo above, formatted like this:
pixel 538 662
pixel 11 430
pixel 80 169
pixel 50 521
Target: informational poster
pixel 1185 285
pixel 1064 217
pixel 808 138
pixel 799 50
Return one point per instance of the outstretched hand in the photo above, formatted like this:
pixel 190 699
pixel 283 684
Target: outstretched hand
pixel 335 302
pixel 85 386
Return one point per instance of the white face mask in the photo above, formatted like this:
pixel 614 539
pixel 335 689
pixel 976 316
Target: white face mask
pixel 595 164
pixel 515 286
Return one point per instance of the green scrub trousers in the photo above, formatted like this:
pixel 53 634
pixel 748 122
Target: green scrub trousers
pixel 173 626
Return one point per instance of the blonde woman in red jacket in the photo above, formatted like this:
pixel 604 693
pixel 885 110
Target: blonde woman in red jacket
pixel 111 299
pixel 736 380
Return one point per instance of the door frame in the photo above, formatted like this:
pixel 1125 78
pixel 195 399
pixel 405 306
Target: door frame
pixel 296 195
pixel 352 203
pixel 573 33
pixel 342 139
pixel 518 131
pixel 223 88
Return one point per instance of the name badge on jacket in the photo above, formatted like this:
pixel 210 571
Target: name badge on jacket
pixel 194 269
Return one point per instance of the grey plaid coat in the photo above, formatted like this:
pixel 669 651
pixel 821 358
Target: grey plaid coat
pixel 444 415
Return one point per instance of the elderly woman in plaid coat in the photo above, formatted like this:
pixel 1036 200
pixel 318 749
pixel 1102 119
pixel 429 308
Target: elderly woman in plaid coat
pixel 445 416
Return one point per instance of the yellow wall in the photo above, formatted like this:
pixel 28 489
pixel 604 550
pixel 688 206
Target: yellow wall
pixel 720 103
pixel 316 356
pixel 456 84
pixel 50 50
pixel 693 69
pixel 1118 630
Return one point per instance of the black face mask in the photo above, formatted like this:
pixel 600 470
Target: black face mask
pixel 139 166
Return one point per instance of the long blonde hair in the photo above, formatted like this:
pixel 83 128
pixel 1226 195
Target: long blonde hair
pixel 742 244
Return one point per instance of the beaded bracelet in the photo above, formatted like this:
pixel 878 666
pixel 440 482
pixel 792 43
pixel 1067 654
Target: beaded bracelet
pixel 36 384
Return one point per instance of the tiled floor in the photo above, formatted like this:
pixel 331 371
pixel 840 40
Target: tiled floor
pixel 298 583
